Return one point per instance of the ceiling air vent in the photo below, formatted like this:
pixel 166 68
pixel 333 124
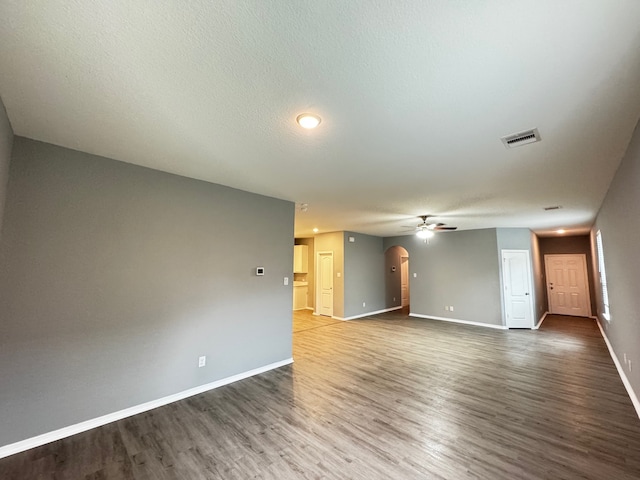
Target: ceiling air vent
pixel 521 138
pixel 554 207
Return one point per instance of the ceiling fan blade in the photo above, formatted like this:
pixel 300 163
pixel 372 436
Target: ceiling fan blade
pixel 445 228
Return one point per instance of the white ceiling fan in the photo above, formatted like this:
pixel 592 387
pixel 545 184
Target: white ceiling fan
pixel 426 230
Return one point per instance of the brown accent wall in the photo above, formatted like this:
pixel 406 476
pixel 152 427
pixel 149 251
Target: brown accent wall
pixel 576 244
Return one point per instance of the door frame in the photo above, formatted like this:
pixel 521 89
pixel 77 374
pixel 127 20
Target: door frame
pixel 503 281
pixel 318 273
pixel 404 268
pixel 583 256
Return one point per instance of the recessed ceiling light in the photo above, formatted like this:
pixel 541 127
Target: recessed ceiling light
pixel 560 231
pixel 308 120
pixel 315 230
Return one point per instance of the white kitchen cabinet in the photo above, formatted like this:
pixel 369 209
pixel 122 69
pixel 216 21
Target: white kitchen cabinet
pixel 300 297
pixel 300 259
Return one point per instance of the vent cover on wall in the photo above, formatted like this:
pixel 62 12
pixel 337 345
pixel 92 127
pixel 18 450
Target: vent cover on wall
pixel 521 138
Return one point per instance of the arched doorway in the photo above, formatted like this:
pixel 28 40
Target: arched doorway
pixel 396 260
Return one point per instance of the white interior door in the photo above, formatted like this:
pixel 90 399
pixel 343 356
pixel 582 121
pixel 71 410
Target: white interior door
pixel 516 276
pixel 325 283
pixel 567 287
pixel 404 280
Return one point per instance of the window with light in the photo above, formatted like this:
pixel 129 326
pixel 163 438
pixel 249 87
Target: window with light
pixel 603 278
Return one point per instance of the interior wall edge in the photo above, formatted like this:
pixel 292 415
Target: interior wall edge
pixel 70 430
pixel 542 319
pixel 362 315
pixel 455 320
pixel 625 381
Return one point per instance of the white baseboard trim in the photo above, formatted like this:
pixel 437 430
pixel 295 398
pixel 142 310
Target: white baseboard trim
pixel 540 321
pixel 64 432
pixel 368 314
pixel 623 376
pixel 455 320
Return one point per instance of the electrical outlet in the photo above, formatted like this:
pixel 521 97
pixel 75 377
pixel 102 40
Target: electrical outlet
pixel 625 358
pixel 630 369
pixel 394 299
pixel 446 307
pixel 286 281
pixel 202 361
pixel 364 304
pixel 415 275
pixel 451 308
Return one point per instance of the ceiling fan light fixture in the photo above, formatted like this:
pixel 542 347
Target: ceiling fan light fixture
pixel 308 120
pixel 424 233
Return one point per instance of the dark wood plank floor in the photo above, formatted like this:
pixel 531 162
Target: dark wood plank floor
pixel 386 397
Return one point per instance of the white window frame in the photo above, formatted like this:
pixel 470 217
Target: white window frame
pixel 603 277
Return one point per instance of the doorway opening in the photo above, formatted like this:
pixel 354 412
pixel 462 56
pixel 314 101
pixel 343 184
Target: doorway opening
pixel 396 260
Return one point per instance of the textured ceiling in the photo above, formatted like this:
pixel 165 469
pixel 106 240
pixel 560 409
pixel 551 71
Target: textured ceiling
pixel 414 98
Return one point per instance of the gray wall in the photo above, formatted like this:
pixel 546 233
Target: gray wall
pixel 6 143
pixel 114 278
pixel 518 239
pixel 619 223
pixel 455 268
pixel 363 274
pixel 566 245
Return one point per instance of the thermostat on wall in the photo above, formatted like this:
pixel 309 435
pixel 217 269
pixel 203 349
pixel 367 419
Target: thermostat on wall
pixel 259 270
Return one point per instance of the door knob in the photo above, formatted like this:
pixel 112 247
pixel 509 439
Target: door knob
pixel 527 293
pixel 551 288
